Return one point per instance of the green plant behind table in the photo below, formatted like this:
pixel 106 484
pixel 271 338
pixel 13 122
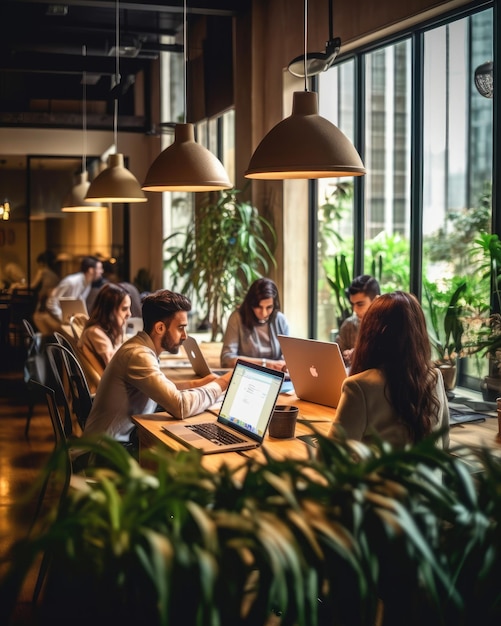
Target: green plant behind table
pixel 218 256
pixel 318 542
pixel 445 314
pixel 484 337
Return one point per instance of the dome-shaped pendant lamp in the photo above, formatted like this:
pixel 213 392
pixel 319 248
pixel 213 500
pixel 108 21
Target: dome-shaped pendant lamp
pixel 116 183
pixel 186 165
pixel 305 144
pixel 75 201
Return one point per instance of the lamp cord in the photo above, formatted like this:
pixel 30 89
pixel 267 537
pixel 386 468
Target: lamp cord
pixel 185 59
pixel 305 44
pixel 84 112
pixel 117 73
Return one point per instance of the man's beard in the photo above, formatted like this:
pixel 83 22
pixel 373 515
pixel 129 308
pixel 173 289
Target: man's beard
pixel 167 344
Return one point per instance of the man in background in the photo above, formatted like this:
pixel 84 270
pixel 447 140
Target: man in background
pixel 361 293
pixel 75 285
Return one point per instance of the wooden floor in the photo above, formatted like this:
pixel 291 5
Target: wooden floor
pixel 20 461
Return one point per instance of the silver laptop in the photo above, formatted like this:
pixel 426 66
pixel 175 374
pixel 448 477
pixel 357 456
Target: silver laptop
pixel 197 359
pixel 244 415
pixel 316 368
pixel 70 307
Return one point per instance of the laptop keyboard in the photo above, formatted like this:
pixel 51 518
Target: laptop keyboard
pixel 213 432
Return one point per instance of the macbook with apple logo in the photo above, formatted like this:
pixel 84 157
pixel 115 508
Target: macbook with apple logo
pixel 316 369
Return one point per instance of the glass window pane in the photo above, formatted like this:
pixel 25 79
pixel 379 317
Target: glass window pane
pixel 335 207
pixel 387 160
pixel 457 181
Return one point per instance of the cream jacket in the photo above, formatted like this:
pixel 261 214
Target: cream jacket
pixel 364 409
pixel 133 383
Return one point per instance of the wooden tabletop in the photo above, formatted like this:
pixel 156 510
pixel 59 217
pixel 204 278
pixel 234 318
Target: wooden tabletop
pixel 150 432
pixel 320 417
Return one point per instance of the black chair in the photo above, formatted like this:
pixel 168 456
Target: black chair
pixel 35 370
pixel 60 440
pixel 22 306
pixel 72 383
pixel 65 471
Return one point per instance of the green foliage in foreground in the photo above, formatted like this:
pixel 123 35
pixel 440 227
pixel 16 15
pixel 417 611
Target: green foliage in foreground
pixel 320 541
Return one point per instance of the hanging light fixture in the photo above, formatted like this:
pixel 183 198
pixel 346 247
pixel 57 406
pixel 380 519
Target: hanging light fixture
pixel 317 62
pixel 186 165
pixel 5 210
pixel 75 200
pixel 304 145
pixel 484 81
pixel 115 183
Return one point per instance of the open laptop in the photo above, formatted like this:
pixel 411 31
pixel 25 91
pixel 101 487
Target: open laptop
pixel 243 418
pixel 70 307
pixel 316 368
pixel 197 359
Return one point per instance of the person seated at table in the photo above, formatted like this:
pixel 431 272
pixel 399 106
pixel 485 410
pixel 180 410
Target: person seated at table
pixel 133 383
pixel 45 279
pixel 75 285
pixel 362 291
pixel 251 332
pixel 103 332
pixel 394 391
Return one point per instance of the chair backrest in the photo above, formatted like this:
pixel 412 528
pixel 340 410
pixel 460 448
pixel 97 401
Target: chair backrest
pixel 55 416
pixel 65 365
pixel 77 324
pixel 29 328
pixel 92 376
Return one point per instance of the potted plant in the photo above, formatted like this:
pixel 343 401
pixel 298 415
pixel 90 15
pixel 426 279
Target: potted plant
pixel 485 325
pixel 446 333
pixel 218 256
pixel 353 536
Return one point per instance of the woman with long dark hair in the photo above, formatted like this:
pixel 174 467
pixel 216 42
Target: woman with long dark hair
pixel 252 330
pixel 394 391
pixel 104 331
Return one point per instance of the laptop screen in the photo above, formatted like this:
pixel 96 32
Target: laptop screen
pixel 250 399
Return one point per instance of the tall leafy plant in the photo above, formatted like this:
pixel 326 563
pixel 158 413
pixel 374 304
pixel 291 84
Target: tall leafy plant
pixel 323 540
pixel 218 256
pixel 446 333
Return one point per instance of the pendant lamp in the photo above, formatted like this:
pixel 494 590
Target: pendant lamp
pixel 186 165
pixel 304 145
pixel 116 183
pixel 75 201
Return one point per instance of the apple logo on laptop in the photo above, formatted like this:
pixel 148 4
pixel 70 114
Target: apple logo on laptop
pixel 313 371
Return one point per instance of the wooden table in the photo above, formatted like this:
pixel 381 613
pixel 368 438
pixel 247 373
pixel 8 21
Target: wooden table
pixel 150 433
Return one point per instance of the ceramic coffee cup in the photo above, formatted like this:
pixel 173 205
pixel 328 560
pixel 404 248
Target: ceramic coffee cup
pixel 283 422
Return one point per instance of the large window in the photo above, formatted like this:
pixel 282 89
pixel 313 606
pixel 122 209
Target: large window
pixel 425 197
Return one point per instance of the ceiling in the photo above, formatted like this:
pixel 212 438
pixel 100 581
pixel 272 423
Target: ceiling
pixel 46 49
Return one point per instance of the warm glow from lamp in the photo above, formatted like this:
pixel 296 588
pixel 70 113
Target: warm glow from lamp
pixel 5 210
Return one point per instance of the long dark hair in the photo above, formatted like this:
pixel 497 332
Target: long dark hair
pixel 393 338
pixel 103 314
pixel 261 289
